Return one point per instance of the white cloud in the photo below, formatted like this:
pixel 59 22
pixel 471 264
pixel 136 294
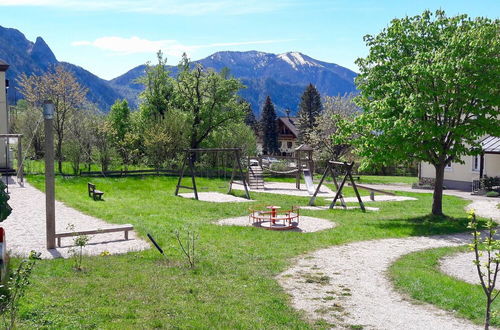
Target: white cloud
pixel 136 45
pixel 165 7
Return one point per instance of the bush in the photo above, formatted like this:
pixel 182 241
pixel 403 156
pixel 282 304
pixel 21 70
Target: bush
pixel 492 194
pixel 489 183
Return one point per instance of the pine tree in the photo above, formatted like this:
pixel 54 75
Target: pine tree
pixel 250 119
pixel 269 129
pixel 309 109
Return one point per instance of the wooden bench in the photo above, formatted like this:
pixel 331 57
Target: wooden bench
pixel 94 193
pixel 124 228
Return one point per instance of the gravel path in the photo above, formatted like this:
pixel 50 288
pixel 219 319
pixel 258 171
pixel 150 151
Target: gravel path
pixel 25 227
pixel 347 285
pixel 216 197
pixel 306 224
pixel 461 267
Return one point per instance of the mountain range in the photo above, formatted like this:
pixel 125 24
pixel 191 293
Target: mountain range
pixel 283 76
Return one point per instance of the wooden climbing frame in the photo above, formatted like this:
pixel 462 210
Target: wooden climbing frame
pixel 189 162
pixel 346 168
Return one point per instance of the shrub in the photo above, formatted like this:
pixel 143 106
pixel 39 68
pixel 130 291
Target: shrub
pixel 492 194
pixel 489 183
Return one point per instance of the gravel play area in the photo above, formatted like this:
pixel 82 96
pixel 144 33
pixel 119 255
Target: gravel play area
pixel 25 227
pixel 306 224
pixel 337 207
pixel 288 188
pixel 377 198
pixel 216 197
pixel 347 285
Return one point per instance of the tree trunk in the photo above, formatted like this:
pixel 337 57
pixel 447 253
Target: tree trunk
pixel 488 313
pixel 437 203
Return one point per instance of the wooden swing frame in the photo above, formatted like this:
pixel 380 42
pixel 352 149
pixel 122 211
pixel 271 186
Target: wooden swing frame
pixel 189 162
pixel 330 169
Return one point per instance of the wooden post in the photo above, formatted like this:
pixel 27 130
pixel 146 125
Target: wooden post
pixel 20 165
pixel 50 213
pixel 313 198
pixel 247 194
pixel 299 169
pixel 181 175
pixel 191 168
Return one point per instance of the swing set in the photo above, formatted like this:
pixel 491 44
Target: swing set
pixel 333 167
pixel 190 160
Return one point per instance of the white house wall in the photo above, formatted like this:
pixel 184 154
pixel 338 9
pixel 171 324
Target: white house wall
pixel 460 176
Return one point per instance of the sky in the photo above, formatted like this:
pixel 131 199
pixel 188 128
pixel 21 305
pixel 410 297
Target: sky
pixel 110 37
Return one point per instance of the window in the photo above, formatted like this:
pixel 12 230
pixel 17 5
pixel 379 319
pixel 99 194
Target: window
pixel 280 144
pixel 448 167
pixel 476 163
pixel 289 145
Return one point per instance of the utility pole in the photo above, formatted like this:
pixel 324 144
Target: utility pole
pixel 50 205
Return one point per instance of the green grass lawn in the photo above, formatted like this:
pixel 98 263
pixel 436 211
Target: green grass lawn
pixel 418 275
pixel 233 285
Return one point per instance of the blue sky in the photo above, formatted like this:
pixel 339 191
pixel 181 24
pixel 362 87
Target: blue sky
pixel 109 37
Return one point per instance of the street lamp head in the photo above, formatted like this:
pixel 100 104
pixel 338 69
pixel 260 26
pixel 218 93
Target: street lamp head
pixel 48 109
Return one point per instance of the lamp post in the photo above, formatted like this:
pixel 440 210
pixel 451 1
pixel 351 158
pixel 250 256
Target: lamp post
pixel 50 207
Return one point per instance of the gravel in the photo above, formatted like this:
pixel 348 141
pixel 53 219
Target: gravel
pixel 306 224
pixel 378 198
pixel 461 267
pixel 348 285
pixel 25 228
pixel 288 188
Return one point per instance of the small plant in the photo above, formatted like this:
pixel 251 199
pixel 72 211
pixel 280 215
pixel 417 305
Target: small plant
pixel 492 194
pixel 5 209
pixel 15 289
pixel 105 253
pixel 489 269
pixel 80 242
pixel 188 248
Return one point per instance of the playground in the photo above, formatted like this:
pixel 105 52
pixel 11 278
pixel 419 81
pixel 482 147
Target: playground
pixel 242 269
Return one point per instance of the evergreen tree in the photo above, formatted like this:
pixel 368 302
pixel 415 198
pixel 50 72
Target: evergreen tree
pixel 250 119
pixel 309 109
pixel 269 129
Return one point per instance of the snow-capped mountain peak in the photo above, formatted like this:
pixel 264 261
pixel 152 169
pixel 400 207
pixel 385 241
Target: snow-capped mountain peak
pixel 296 59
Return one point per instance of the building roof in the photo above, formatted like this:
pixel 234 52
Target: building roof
pixel 3 65
pixel 491 145
pixel 289 122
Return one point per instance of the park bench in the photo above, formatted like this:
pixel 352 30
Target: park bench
pixel 94 193
pixel 124 228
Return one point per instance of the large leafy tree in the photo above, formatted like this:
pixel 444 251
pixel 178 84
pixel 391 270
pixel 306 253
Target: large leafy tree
pixel 269 128
pixel 157 95
pixel 61 87
pixel 121 131
pixel 335 109
pixel 429 89
pixel 209 98
pixel 310 109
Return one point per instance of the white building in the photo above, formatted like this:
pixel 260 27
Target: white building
pixel 465 176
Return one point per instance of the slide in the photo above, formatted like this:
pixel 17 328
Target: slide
pixel 309 181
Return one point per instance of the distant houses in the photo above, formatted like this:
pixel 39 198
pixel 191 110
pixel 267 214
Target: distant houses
pixel 287 136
